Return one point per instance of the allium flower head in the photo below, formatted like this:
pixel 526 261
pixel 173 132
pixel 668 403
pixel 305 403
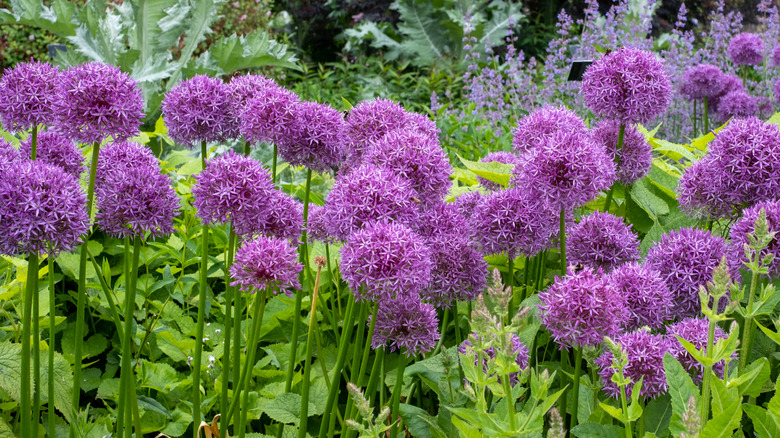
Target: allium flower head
pixel 369 121
pixel 366 194
pixel 635 157
pixel 602 240
pixel 628 85
pixel 96 100
pixel 567 170
pixel 199 109
pixel 467 205
pixel 459 273
pixel 746 49
pixel 385 260
pixel 8 154
pixel 266 262
pixel 540 125
pixel 421 123
pixel 513 221
pixel 647 297
pixel 55 149
pixel 27 93
pixel 747 225
pixel 415 157
pixel 518 349
pixel 440 224
pixel 133 198
pixel 497 157
pixel 645 353
pixel 737 104
pixel 581 308
pixel 319 142
pixel 42 209
pixel 316 227
pixel 270 116
pixel 234 188
pixel 702 81
pixel 702 193
pixel 408 324
pixel 241 89
pixel 285 217
pixel 731 82
pixel 695 331
pixel 686 258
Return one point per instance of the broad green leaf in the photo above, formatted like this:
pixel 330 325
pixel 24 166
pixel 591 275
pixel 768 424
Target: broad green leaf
pixel 466 429
pixel 672 150
pixel 424 35
pixel 180 420
pixel 616 413
pixel 495 30
pixel 11 369
pixel 775 336
pixel 663 179
pixel 647 200
pixel 174 345
pixel 146 14
pixel 753 378
pixel 775 119
pixel 499 173
pixel 722 397
pixel 254 50
pixel 658 412
pixel 653 235
pixel 681 388
pixel 417 420
pixel 198 22
pixel 153 405
pixel 723 425
pixel 763 424
pixel 596 430
pixel 285 408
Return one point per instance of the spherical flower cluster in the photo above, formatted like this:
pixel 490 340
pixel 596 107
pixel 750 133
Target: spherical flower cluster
pixel 8 154
pixel 702 82
pixel 731 82
pixel 700 191
pixel 686 259
pixel 316 228
pixel 241 89
pixel 459 274
pixel 628 85
pixel 645 352
pixel 421 123
pixel 468 205
pixel 319 142
pixel 581 308
pixel 96 100
pixel 497 157
pixel 513 221
pixel 369 121
pixel 737 104
pixel 199 109
pixel 602 240
pixel 55 149
pixel 519 350
pixel 266 262
pixel 647 298
pixel 746 225
pixel 42 209
pixel 270 116
pixel 133 198
pixel 284 220
pixel 776 56
pixel 234 188
pixel 27 93
pixel 538 126
pixel 567 170
pixel 695 331
pixel 440 224
pixel 416 158
pixel 368 193
pixel 746 49
pixel 635 157
pixel 385 260
pixel 408 324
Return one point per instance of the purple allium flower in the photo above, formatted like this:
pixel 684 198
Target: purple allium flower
pixel 645 353
pixel 746 49
pixel 647 297
pixel 737 104
pixel 365 194
pixel 628 85
pixel 234 188
pixel 635 157
pixel 422 124
pixel 266 262
pixel 270 116
pixel 702 81
pixel 27 93
pixel 497 157
pixel 241 89
pixel 126 154
pixel 746 225
pixel 55 149
pixel 701 192
pixel 385 260
pixel 369 121
pixel 42 209
pixel 731 82
pixel 686 258
pixel 8 154
pixel 467 204
pixel 408 324
pixel 319 142
pixel 540 125
pixel 518 349
pixel 285 217
pixel 441 224
pixel 581 308
pixel 316 228
pixel 566 171
pixel 132 197
pixel 513 221
pixel 199 109
pixel 96 100
pixel 415 157
pixel 776 56
pixel 459 273
pixel 602 240
pixel 695 331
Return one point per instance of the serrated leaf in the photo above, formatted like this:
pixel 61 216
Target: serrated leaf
pixel 495 30
pixel 254 50
pixel 722 397
pixel 596 430
pixel 753 378
pixel 763 424
pixel 285 408
pixel 424 36
pixel 198 23
pixel 681 388
pixel 496 172
pixel 616 413
pixel 723 425
pixel 647 200
pixel 658 412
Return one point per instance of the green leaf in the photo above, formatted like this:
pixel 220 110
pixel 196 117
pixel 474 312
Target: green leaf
pixel 722 397
pixel 596 430
pixel 198 21
pixel 672 150
pixel 616 413
pixel 11 369
pixel 775 119
pixel 658 412
pixel 254 50
pixel 285 408
pixel 146 14
pixel 663 179
pixel 466 429
pixel 775 336
pixel 723 425
pixel 752 380
pixel 681 388
pixel 499 173
pixel 418 421
pixel 174 345
pixel 153 405
pixel 763 424
pixel 647 200
pixel 424 35
pixel 495 30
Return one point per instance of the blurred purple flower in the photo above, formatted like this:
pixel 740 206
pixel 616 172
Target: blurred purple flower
pixel 544 123
pixel 645 353
pixel 497 157
pixel 647 297
pixel 199 109
pixel 634 159
pixel 746 225
pixel 8 155
pixel 266 262
pixel 731 82
pixel 702 81
pixel 602 240
pixel 27 94
pixel 284 218
pixel 695 331
pixel 319 142
pixel 776 56
pixel 55 149
pixel 737 104
pixel 408 324
pixel 746 49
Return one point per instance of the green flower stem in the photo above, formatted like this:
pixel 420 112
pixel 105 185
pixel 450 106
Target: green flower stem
pixel 360 381
pixel 624 405
pixel 36 351
pixel 707 380
pixel 510 402
pixel 127 365
pixel 226 365
pixel 373 379
pixel 361 324
pixel 346 334
pixel 706 117
pixel 747 339
pixel 247 147
pixel 694 118
pixel 640 425
pixel 618 147
pixel 203 287
pixel 107 294
pixel 238 310
pixel 34 143
pixel 399 384
pixel 562 237
pixel 307 364
pixel 564 381
pixel 337 296
pixel 510 266
pixel 120 403
pixel 254 333
pixel 273 165
pixel 444 323
pixel 81 301
pixel 52 323
pixel 576 386
pixel 26 387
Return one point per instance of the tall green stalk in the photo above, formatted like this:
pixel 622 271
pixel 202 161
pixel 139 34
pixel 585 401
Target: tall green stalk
pixel 52 323
pixel 626 418
pixel 127 387
pixel 226 365
pixel 694 118
pixel 396 403
pixel 307 363
pixel 707 379
pixel 706 117
pixel 747 339
pixel 36 344
pixel 26 387
pixel 618 148
pixel 273 166
pixel 361 373
pixel 251 351
pixel 238 310
pixel 576 386
pixel 562 237
pixel 203 287
pixel 346 334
